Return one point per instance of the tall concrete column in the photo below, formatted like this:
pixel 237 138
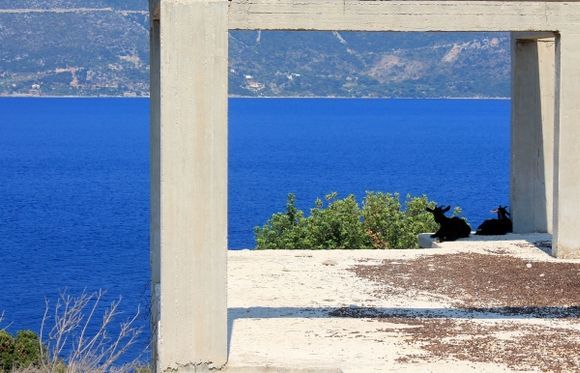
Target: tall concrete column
pixel 532 132
pixel 155 150
pixel 192 334
pixel 566 238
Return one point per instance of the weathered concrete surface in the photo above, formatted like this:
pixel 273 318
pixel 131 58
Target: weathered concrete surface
pixel 567 154
pixel 192 184
pixel 403 15
pixel 532 132
pixel 290 310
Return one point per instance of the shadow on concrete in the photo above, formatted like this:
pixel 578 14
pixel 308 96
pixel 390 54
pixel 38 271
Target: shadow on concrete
pixel 477 313
pixel 545 246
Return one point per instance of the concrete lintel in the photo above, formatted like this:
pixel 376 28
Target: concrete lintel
pixel 534 35
pixel 402 15
pixel 535 19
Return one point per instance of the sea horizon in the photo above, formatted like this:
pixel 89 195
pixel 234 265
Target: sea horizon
pixel 281 97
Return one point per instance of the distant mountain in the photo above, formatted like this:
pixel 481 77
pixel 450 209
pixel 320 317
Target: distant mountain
pixel 100 47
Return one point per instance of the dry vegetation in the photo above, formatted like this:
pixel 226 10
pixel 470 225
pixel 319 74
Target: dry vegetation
pixel 79 334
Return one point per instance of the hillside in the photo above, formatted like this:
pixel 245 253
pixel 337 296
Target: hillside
pixel 100 47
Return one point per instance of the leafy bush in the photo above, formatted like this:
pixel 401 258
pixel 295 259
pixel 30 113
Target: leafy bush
pixel 337 226
pixel 381 223
pixel 27 349
pixel 6 351
pixel 20 352
pixel 284 230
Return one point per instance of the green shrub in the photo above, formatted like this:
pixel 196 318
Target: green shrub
pixel 26 349
pixel 336 226
pixel 381 223
pixel 284 230
pixel 20 352
pixel 390 227
pixel 6 351
pixel 382 219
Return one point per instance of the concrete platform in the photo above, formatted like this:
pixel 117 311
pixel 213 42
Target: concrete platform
pixel 476 305
pixel 427 242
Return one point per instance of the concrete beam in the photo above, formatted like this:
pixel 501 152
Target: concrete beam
pixel 533 35
pixel 566 238
pixel 402 15
pixel 192 333
pixel 532 134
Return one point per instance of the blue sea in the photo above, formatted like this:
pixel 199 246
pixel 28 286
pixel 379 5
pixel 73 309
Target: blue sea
pixel 74 179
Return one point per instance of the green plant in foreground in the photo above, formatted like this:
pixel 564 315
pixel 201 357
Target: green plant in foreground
pixel 27 349
pixel 20 352
pixel 381 223
pixel 6 351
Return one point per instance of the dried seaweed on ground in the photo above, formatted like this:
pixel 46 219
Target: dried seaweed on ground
pixel 478 280
pixel 493 299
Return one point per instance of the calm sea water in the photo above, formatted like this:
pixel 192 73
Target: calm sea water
pixel 74 179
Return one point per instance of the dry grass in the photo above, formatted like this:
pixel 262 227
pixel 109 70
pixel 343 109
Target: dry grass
pixel 78 336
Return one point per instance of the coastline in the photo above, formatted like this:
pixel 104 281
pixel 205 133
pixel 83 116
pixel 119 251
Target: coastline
pixel 275 97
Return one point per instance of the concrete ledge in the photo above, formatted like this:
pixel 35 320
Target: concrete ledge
pixel 425 240
pixel 272 369
pixel 536 239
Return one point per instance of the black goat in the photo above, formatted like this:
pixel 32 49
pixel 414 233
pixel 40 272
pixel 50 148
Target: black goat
pixel 496 227
pixel 450 229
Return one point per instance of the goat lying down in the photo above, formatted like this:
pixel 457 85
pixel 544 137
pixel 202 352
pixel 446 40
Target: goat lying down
pixel 496 227
pixel 450 229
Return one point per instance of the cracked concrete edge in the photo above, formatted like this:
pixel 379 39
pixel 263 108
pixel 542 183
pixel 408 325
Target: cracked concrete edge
pixel 199 367
pixel 207 367
pixel 273 369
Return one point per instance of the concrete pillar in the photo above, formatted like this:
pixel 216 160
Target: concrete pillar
pixel 532 132
pixel 155 150
pixel 566 237
pixel 192 334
